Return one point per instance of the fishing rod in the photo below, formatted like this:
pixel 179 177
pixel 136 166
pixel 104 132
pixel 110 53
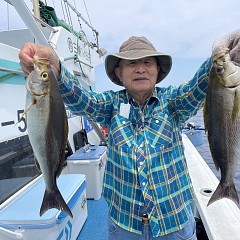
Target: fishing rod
pixel 192 126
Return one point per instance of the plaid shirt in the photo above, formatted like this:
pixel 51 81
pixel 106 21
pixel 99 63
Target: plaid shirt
pixel 146 170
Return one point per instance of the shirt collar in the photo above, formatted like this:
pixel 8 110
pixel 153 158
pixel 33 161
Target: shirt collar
pixel 149 101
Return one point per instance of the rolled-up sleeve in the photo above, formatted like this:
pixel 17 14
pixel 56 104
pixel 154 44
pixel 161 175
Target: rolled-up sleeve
pixel 97 106
pixel 189 97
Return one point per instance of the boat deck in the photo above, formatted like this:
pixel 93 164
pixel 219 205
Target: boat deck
pixel 221 220
pixel 96 225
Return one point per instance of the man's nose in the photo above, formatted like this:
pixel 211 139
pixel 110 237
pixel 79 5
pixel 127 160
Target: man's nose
pixel 140 68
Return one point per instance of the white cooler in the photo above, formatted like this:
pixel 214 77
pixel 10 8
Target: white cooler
pixel 92 164
pixel 20 214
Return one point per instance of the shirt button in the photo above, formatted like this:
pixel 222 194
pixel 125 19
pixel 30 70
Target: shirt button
pixel 123 122
pixel 141 145
pixel 143 183
pixel 141 163
pixel 140 204
pixel 157 121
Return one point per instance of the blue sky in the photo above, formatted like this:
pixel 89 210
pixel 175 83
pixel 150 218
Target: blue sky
pixel 184 29
pixel 183 69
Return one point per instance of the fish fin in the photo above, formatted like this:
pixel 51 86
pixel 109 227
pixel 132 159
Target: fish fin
pixel 37 164
pixel 24 112
pixel 205 116
pixel 207 103
pixel 207 122
pixel 63 153
pixel 236 105
pixel 224 191
pixel 213 154
pixel 66 130
pixel 61 163
pixel 54 199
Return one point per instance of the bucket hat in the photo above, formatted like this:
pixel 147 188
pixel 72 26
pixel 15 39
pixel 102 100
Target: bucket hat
pixel 135 48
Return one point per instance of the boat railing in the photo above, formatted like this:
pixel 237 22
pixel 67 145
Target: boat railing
pixel 221 220
pixel 11 70
pixel 80 16
pixel 8 234
pixel 34 22
pixel 29 21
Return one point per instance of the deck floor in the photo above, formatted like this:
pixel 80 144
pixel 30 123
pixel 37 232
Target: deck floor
pixel 96 225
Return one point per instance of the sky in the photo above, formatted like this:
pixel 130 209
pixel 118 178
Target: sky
pixel 184 29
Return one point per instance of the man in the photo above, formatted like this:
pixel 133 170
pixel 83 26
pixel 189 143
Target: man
pixel 146 184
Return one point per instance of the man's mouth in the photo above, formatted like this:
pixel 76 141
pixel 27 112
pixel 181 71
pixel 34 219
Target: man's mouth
pixel 140 79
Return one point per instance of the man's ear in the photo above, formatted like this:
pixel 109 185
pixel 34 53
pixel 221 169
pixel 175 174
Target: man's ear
pixel 118 73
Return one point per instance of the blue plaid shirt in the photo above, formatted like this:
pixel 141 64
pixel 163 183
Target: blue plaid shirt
pixel 146 170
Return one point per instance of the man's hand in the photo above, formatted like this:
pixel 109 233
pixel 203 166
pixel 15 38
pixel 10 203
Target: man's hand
pixel 29 50
pixel 229 42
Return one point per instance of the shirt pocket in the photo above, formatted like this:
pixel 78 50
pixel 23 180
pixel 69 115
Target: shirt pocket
pixel 122 132
pixel 160 131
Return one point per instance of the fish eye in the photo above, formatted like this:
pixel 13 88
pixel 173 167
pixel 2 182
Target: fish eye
pixel 219 69
pixel 44 76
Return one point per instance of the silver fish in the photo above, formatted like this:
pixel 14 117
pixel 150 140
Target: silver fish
pixel 222 122
pixel 47 130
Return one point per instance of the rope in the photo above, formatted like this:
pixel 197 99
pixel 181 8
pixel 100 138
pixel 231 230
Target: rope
pixel 64 17
pixel 8 21
pixel 53 4
pixel 94 33
pixel 20 72
pixel 74 4
pixel 87 13
pixel 77 60
pixel 68 13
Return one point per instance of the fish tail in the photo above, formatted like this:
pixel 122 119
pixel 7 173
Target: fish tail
pixel 54 199
pixel 225 191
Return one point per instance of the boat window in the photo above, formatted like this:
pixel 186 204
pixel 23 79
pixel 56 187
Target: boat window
pixel 17 166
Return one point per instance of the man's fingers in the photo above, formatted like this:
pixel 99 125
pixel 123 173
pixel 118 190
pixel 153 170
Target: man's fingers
pixel 26 69
pixel 227 42
pixel 29 50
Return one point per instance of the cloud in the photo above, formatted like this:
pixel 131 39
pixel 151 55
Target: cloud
pixel 184 29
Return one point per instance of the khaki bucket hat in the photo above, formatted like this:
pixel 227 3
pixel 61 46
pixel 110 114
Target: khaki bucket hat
pixel 136 48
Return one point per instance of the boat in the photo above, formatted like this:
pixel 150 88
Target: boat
pixel 219 220
pixel 20 181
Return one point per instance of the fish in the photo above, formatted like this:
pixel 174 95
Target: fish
pixel 47 128
pixel 222 123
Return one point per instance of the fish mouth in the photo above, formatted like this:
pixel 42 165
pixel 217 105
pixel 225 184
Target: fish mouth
pixel 232 86
pixel 232 83
pixel 35 93
pixel 40 61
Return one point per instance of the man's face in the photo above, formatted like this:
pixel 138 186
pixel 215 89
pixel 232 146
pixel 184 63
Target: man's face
pixel 138 76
